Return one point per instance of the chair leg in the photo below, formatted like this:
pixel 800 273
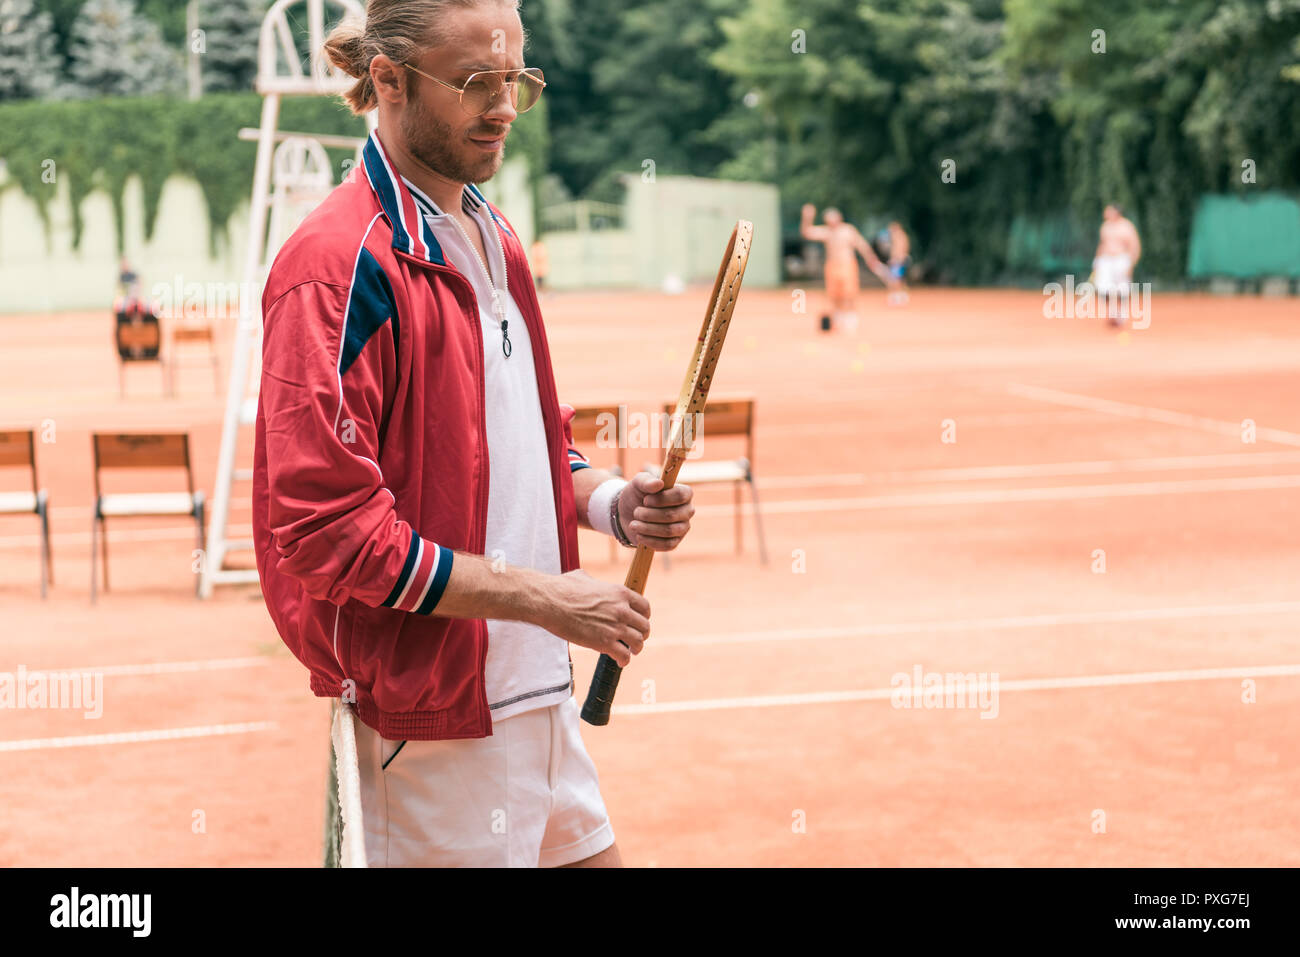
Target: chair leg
pixel 203 553
pixel 103 542
pixel 740 524
pixel 49 551
pixel 758 521
pixel 94 552
pixel 45 546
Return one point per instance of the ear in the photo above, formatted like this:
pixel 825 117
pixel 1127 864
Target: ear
pixel 390 80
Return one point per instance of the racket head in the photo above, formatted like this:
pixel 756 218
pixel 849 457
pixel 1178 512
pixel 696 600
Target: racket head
pixel 708 346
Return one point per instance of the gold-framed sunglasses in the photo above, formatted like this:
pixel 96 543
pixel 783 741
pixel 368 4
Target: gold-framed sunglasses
pixel 482 89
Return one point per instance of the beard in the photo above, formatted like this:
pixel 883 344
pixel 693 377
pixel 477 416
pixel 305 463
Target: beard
pixel 434 144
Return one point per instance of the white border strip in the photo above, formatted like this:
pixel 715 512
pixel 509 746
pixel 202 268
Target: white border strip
pixel 1148 413
pixel 1053 493
pixel 987 624
pixel 159 667
pixel 1028 684
pixel 135 737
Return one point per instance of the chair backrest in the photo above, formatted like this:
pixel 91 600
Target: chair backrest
pixel 592 423
pixel 726 415
pixel 192 333
pixel 18 448
pixel 142 450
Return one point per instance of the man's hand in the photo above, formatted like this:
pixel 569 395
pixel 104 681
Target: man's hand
pixel 653 517
pixel 611 619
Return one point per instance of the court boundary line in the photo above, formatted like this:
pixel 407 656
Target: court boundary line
pixel 1112 616
pixel 1019 684
pixel 1050 493
pixel 159 667
pixel 1149 413
pixel 136 737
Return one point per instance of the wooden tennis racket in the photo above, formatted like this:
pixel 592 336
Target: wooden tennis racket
pixel 681 437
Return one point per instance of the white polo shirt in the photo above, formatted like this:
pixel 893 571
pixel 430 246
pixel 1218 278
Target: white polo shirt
pixel 527 667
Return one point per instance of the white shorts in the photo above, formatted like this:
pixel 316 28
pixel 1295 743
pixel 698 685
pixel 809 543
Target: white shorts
pixel 1112 273
pixel 527 796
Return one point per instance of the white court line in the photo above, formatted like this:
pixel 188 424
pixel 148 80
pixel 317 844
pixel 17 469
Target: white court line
pixel 1148 413
pixel 159 667
pixel 83 512
pixel 863 424
pixel 135 737
pixel 996 496
pixel 988 624
pixel 1170 463
pixel 117 535
pixel 1028 684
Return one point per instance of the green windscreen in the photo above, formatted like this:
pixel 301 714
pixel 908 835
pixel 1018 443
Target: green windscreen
pixel 1245 238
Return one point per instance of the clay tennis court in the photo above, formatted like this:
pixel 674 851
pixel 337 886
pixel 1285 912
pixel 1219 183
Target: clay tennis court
pixel 1158 699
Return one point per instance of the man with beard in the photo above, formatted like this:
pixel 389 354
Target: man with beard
pixel 416 491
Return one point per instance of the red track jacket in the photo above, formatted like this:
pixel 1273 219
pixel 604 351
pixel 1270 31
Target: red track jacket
pixel 371 461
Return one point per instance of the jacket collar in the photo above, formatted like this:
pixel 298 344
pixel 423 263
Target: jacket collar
pixel 411 234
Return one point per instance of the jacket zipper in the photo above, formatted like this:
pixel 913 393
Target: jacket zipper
pixel 498 295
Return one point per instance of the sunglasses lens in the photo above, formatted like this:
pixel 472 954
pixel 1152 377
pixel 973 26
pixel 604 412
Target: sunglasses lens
pixel 528 92
pixel 479 93
pixel 483 88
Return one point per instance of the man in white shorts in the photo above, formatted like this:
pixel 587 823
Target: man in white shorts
pixel 416 492
pixel 1117 256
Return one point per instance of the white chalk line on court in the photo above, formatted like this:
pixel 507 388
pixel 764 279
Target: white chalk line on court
pixel 997 496
pixel 862 424
pixel 1054 493
pixel 1170 463
pixel 121 535
pixel 1026 684
pixel 159 667
pixel 988 624
pixel 83 512
pixel 1149 413
pixel 136 737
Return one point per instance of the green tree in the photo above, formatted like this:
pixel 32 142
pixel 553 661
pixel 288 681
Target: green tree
pixel 230 32
pixel 28 68
pixel 116 52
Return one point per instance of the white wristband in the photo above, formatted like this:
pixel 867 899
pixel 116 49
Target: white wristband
pixel 598 505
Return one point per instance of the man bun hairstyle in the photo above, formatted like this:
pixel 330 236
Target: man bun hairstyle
pixel 397 29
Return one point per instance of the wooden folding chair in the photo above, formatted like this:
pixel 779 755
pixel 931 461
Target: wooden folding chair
pixel 160 450
pixel 725 416
pixel 18 449
pixel 189 331
pixel 138 336
pixel 594 422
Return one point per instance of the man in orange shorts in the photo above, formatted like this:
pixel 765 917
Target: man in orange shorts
pixel 843 244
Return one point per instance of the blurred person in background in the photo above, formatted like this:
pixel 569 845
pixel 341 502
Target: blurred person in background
pixel 843 245
pixel 1118 251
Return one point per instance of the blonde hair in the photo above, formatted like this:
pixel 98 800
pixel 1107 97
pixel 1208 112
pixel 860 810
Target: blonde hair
pixel 398 29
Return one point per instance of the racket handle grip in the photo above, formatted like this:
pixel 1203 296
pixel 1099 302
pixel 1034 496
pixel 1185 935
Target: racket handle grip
pixel 600 696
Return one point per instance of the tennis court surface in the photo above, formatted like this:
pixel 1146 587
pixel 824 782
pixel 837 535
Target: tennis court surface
pixel 1103 525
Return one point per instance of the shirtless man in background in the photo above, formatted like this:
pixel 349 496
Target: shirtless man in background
pixel 842 242
pixel 1117 255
